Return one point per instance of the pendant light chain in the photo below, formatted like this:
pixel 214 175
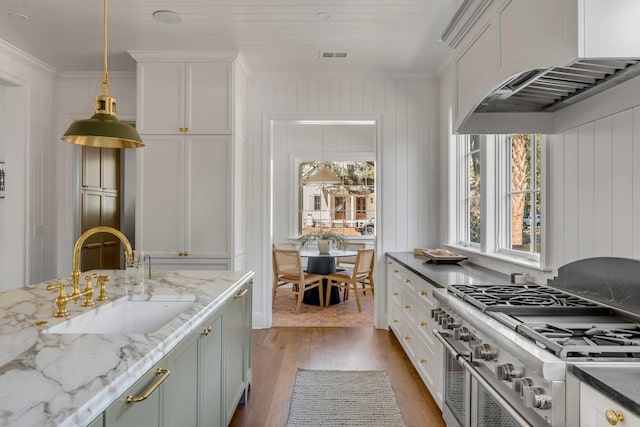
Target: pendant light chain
pixel 105 77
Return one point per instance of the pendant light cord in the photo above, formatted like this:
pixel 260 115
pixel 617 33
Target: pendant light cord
pixel 105 77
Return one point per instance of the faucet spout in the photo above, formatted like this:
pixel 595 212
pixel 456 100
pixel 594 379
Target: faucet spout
pixel 75 274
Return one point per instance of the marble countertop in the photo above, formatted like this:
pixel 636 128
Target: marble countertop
pixel 68 380
pixel 443 275
pixel 620 383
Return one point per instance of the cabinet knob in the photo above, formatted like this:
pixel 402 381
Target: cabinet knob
pixel 613 417
pixel 395 294
pixel 395 320
pixel 389 262
pixel 407 281
pixel 423 324
pixel 423 361
pixel 206 331
pixel 423 293
pixel 407 338
pixel 408 307
pixel 395 271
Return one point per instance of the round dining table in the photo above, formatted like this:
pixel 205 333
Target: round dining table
pixel 324 264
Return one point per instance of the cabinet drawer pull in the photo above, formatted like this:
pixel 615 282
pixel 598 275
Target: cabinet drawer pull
pixel 163 375
pixel 408 307
pixel 395 271
pixel 407 338
pixel 613 417
pixel 423 324
pixel 423 293
pixel 206 331
pixel 407 281
pixel 395 294
pixel 423 361
pixel 395 320
pixel 242 292
pixel 389 262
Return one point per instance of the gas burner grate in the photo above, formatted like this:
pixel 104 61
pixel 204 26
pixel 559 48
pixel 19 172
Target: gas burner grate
pixel 586 340
pixel 521 299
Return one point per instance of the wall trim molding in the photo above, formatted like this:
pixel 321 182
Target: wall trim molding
pixel 25 58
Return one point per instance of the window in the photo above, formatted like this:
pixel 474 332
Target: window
pixel 471 182
pixel 343 199
pixel 509 194
pixel 521 207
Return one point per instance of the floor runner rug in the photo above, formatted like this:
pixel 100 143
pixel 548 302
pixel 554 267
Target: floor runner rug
pixel 343 399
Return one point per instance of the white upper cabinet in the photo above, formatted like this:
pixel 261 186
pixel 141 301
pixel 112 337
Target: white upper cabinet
pixel 177 97
pixel 495 41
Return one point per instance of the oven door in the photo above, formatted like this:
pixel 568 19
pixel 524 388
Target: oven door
pixel 469 399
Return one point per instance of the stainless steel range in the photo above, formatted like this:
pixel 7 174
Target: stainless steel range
pixel 507 347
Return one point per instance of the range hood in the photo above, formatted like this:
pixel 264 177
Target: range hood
pixel 551 89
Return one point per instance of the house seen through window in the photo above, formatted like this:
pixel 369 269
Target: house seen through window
pixel 342 200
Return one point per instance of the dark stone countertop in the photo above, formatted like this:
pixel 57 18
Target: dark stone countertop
pixel 443 275
pixel 619 383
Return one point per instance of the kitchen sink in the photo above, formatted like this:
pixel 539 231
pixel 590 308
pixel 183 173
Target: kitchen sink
pixel 127 315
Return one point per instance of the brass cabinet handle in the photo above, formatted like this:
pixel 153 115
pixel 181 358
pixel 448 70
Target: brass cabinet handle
pixel 206 331
pixel 613 417
pixel 163 375
pixel 423 360
pixel 407 281
pixel 408 307
pixel 395 294
pixel 242 292
pixel 423 293
pixel 395 320
pixel 407 338
pixel 395 271
pixel 423 324
pixel 389 262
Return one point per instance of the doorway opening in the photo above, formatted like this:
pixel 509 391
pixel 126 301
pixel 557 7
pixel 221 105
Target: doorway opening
pixel 302 205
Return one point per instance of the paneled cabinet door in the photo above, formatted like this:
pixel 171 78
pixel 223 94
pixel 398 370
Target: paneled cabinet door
pixel 193 98
pixel 596 410
pixel 184 203
pixel 210 378
pixel 145 413
pixel 235 341
pixel 180 390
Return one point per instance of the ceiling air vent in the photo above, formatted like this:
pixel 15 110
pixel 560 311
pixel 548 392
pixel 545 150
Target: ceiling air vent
pixel 326 54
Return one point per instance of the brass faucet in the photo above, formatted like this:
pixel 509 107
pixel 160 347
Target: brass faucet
pixel 75 274
pixel 62 298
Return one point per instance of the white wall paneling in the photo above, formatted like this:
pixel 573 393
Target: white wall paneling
pixel 26 101
pixel 405 148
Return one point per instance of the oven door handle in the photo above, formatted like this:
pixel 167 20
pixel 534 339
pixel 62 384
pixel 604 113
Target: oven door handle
pixel 478 377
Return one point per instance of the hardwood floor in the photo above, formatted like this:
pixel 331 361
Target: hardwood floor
pixel 279 352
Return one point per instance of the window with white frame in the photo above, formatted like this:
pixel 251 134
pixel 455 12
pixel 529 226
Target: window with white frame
pixel 520 207
pixel 470 180
pixel 515 209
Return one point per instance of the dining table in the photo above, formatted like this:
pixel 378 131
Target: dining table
pixel 324 264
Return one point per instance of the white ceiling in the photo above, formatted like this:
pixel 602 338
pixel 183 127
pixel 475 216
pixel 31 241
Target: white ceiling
pixel 386 36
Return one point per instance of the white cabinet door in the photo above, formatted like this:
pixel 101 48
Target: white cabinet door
pixel 161 98
pixel 208 205
pixel 161 203
pixel 594 407
pixel 184 204
pixel 192 98
pixel 208 101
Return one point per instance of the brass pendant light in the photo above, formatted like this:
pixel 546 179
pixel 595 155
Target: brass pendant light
pixel 103 129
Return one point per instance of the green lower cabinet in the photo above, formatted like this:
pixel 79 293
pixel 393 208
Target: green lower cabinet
pixel 210 378
pixel 145 413
pixel 180 391
pixel 98 422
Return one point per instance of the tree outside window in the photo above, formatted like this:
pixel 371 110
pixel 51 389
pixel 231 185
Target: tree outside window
pixel 472 197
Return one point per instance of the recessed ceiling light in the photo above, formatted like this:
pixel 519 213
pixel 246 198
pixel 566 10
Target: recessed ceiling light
pixel 322 16
pixel 15 16
pixel 167 17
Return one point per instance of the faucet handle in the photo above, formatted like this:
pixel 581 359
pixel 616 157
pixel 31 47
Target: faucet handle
pixel 102 281
pixel 61 299
pixel 88 290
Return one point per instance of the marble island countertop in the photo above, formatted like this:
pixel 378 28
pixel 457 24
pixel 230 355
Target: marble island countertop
pixel 69 379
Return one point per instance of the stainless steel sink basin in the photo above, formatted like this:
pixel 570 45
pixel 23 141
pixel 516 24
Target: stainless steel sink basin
pixel 127 315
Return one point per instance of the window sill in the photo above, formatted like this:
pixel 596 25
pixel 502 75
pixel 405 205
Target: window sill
pixel 522 262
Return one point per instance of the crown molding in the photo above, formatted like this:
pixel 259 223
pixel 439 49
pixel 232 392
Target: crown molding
pixel 183 55
pixel 25 58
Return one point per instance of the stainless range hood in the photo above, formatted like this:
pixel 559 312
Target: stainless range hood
pixel 551 89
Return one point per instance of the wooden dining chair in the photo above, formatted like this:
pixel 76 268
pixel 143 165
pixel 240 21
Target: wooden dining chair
pixel 349 261
pixel 362 274
pixel 287 268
